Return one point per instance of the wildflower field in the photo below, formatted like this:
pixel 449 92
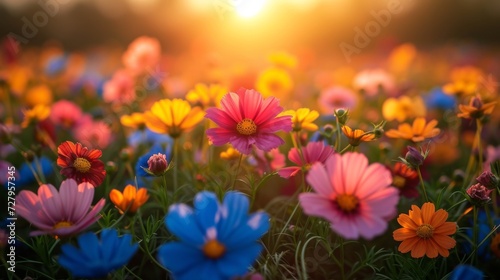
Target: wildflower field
pixel 134 161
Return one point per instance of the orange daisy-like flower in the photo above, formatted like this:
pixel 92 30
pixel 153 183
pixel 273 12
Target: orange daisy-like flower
pixel 130 199
pixel 418 132
pixel 357 136
pixel 80 163
pixel 476 109
pixel 425 232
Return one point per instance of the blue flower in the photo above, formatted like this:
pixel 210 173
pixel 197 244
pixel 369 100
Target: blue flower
pixel 26 176
pixel 148 138
pixel 439 100
pixel 466 272
pixel 142 162
pixel 215 240
pixel 97 258
pixel 56 64
pixel 484 227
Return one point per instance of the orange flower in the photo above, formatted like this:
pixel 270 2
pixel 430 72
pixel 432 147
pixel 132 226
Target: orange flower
pixel 357 136
pixel 420 130
pixel 464 81
pixel 425 232
pixel 476 109
pixel 131 197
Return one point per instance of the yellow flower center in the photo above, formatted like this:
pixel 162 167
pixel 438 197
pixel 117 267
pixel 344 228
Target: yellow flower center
pixel 425 231
pixel 398 181
pixel 347 202
pixel 246 127
pixel 62 224
pixel 82 165
pixel 213 249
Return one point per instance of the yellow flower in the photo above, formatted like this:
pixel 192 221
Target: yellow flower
pixel 357 136
pixel 230 154
pixel 418 132
pixel 403 108
pixel 38 113
pixel 131 198
pixel 283 60
pixel 206 96
pixel 135 121
pixel 274 82
pixel 464 81
pixel 303 118
pixel 476 109
pixel 38 95
pixel 172 117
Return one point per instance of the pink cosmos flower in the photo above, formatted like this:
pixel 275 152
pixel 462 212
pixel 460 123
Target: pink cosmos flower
pixel 246 119
pixel 65 113
pixel 312 153
pixel 60 213
pixel 120 89
pixel 142 54
pixel 336 97
pixel 371 80
pixel 94 134
pixel 356 198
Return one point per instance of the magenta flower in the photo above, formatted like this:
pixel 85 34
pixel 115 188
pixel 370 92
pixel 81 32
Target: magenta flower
pixel 246 119
pixel 60 213
pixel 312 153
pixel 356 198
pixel 336 97
pixel 120 89
pixel 95 134
pixel 65 113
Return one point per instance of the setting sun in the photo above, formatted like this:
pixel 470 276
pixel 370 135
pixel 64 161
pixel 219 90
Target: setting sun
pixel 248 8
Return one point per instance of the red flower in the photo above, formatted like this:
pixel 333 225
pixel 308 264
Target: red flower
pixel 80 163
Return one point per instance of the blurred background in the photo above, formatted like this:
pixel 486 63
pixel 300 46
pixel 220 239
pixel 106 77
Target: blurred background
pixel 250 26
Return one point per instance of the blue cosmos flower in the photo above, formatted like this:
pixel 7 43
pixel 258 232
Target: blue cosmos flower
pixel 217 241
pixel 149 138
pixel 437 99
pixel 142 162
pixel 483 251
pixel 466 272
pixel 56 64
pixel 96 258
pixel 26 177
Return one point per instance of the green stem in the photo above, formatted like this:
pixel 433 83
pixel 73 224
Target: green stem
pixel 339 138
pixel 342 257
pixel 176 163
pixel 237 171
pixel 422 183
pixel 345 149
pixel 478 144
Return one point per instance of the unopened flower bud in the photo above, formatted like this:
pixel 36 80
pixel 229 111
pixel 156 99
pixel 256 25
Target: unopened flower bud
pixel 414 158
pixel 488 179
pixel 479 193
pixel 458 176
pixel 111 167
pixel 29 156
pixel 342 115
pixel 157 164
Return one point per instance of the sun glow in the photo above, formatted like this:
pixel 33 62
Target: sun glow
pixel 248 8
